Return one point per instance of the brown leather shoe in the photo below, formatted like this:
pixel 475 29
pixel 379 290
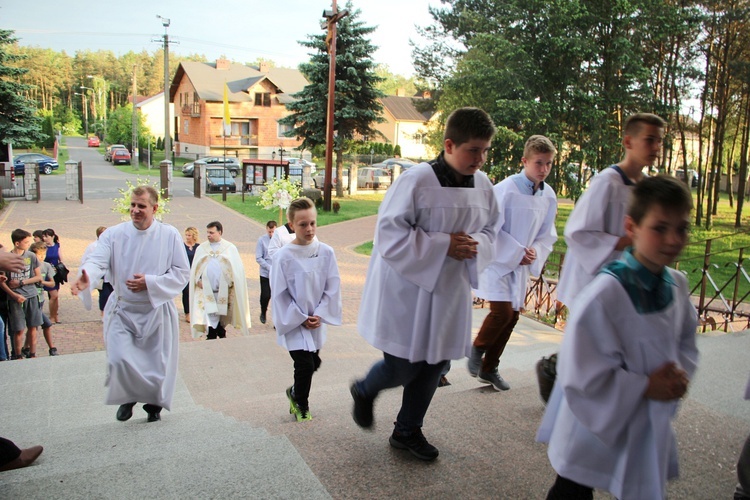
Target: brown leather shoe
pixel 25 459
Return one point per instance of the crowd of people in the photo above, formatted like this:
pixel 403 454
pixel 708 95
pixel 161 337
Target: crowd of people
pixel 444 233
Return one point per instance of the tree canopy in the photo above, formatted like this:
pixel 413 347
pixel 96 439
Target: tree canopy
pixel 357 105
pixel 19 124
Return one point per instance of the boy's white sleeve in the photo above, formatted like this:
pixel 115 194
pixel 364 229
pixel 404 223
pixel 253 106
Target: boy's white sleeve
pixel 417 255
pixel 589 231
pixel 545 239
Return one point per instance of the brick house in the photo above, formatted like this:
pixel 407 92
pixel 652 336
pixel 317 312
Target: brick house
pixel 406 126
pixel 257 100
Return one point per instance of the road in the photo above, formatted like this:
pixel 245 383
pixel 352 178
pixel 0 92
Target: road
pixel 101 180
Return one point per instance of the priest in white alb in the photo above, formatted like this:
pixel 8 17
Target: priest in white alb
pixel 149 268
pixel 218 287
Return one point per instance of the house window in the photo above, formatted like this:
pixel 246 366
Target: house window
pixel 283 129
pixel 263 99
pixel 185 126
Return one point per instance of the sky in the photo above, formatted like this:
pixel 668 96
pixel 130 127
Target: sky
pixel 239 30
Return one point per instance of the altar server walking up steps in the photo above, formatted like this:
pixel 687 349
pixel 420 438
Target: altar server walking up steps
pixel 627 356
pixel 306 295
pixel 434 235
pixel 525 236
pixel 595 231
pixel 147 263
pixel 218 287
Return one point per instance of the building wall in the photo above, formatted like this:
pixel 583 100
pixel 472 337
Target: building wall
pixel 403 133
pixel 203 135
pixel 153 116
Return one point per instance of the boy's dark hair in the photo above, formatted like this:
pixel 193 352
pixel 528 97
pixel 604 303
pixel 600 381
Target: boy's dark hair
pixel 270 224
pixel 633 122
pixel 38 246
pixel 217 225
pixel 465 124
pixel 19 235
pixel 663 190
pixel 38 234
pixel 100 230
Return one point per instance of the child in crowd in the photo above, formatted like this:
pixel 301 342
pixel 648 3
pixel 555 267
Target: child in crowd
pixel 24 309
pixel 626 359
pixel 48 279
pixel 264 261
pixel 434 235
pixel 306 295
pixel 525 236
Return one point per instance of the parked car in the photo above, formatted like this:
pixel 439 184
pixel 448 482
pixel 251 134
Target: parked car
pixel 110 148
pixel 680 174
pixel 390 162
pixel 217 178
pixel 375 178
pixel 46 163
pixel 319 179
pixel 299 162
pixel 233 164
pixel 94 142
pixel 120 155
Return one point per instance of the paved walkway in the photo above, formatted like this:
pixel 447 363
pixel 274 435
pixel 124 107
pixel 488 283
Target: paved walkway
pixel 230 423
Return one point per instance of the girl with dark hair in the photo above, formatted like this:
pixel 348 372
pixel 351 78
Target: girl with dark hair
pixel 54 256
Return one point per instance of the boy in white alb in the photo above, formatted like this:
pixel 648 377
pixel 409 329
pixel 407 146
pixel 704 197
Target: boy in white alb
pixel 595 231
pixel 434 236
pixel 626 360
pixel 525 236
pixel 305 295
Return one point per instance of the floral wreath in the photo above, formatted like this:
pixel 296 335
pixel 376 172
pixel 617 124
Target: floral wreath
pixel 279 193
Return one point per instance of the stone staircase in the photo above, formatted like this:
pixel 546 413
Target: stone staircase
pixel 192 453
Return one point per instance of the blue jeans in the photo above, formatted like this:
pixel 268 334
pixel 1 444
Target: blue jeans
pixel 420 381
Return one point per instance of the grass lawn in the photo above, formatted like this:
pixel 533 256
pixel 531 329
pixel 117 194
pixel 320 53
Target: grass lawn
pixel 352 207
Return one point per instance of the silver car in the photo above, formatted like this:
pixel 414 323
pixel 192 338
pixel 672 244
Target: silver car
pixel 232 163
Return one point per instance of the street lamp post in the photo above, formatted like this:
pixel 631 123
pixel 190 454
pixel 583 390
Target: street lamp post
pixel 167 139
pixel 85 112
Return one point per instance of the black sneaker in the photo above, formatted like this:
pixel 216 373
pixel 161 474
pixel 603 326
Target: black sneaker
pixel 53 351
pixel 362 412
pixel 263 318
pixel 416 443
pixel 26 351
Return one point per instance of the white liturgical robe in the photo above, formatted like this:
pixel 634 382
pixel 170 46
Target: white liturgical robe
pixel 595 225
pixel 305 282
pixel 524 221
pixel 416 302
pixel 222 295
pixel 601 430
pixel 141 329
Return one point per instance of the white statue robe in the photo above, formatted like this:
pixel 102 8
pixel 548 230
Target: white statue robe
pixel 601 430
pixel 595 225
pixel 141 329
pixel 225 295
pixel 416 302
pixel 305 282
pixel 524 221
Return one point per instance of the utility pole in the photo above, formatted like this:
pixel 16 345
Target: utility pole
pixel 135 121
pixel 167 140
pixel 332 17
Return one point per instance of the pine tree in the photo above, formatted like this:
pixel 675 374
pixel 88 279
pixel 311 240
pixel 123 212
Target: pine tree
pixel 357 105
pixel 19 124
